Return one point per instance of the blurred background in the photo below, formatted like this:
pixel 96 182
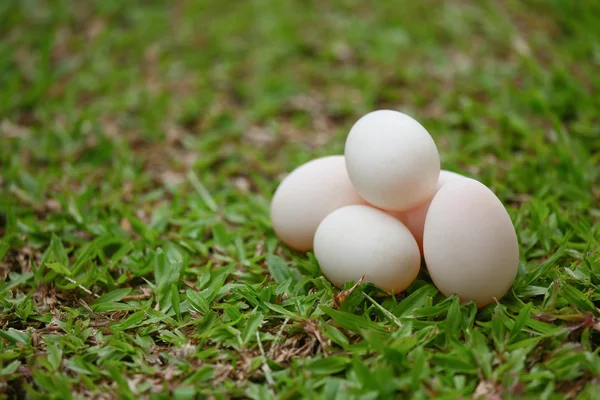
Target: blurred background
pixel 135 94
pixel 300 72
pixel 126 98
pixel 256 84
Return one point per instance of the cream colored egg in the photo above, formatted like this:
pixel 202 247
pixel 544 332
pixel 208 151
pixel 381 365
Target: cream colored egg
pixel 414 219
pixel 306 196
pixel 360 240
pixel 392 160
pixel 469 243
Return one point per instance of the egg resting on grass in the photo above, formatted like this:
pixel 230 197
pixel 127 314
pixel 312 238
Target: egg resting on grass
pixel 392 160
pixel 360 240
pixel 469 243
pixel 306 196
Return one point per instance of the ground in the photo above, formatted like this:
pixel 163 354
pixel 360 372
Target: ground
pixel 141 142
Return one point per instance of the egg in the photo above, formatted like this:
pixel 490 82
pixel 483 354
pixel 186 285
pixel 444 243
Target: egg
pixel 306 196
pixel 414 219
pixel 392 160
pixel 469 243
pixel 360 240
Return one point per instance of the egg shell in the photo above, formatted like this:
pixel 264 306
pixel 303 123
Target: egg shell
pixel 414 219
pixel 469 243
pixel 392 160
pixel 306 196
pixel 360 240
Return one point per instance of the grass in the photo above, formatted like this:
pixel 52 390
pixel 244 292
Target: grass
pixel 141 141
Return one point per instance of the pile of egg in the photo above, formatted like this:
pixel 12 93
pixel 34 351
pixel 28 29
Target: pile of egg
pixel 385 204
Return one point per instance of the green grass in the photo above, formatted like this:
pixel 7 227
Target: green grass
pixel 140 144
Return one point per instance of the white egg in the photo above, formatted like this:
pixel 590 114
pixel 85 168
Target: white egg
pixel 306 196
pixel 469 242
pixel 414 219
pixel 392 160
pixel 360 240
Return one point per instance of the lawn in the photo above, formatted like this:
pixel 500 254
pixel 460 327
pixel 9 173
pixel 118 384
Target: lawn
pixel 141 143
